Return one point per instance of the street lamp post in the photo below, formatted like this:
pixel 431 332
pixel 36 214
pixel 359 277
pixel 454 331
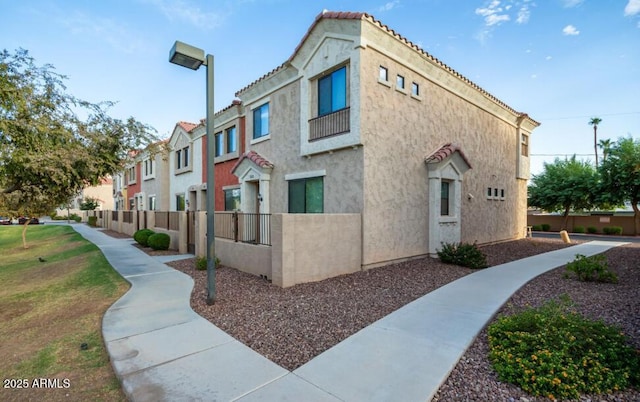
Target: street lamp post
pixel 192 57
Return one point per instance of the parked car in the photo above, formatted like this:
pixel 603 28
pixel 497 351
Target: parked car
pixel 5 221
pixel 23 219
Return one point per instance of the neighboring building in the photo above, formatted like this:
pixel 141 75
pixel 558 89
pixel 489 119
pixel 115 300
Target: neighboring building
pixel 185 171
pixel 119 192
pixel 361 120
pixel 229 136
pixel 154 189
pixel 102 193
pixel 133 183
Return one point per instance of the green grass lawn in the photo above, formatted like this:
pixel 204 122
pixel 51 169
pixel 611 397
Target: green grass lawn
pixel 48 310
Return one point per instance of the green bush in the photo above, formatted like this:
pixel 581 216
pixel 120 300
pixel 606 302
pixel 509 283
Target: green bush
pixel 545 227
pixel 591 269
pixel 592 229
pixel 537 228
pixel 553 352
pixel 159 241
pixel 612 230
pixel 467 255
pixel 578 229
pixel 93 221
pixel 142 236
pixel 201 263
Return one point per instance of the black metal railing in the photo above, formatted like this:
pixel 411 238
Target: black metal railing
pixel 244 227
pixel 329 124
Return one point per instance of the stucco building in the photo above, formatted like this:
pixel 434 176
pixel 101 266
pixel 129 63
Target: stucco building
pixel 361 120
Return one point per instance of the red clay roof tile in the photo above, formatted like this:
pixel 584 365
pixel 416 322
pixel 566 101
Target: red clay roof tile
pixel 444 152
pixel 254 157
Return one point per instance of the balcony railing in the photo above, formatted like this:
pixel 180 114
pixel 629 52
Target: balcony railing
pixel 329 124
pixel 244 227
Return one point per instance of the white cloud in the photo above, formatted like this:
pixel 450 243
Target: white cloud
pixel 632 8
pixel 493 14
pixel 523 15
pixel 105 29
pixel 572 3
pixel 548 58
pixel 570 30
pixel 185 11
pixel 389 6
pixel 534 76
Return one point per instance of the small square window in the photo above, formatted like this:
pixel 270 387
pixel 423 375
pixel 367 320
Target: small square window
pixel 415 89
pixel 400 82
pixel 495 193
pixel 502 193
pixel 261 121
pixel 383 74
pixel 524 145
pixel 489 192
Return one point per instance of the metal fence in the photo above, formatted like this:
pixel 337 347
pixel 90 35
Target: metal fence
pixel 244 227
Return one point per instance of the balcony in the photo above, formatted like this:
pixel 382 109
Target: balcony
pixel 329 125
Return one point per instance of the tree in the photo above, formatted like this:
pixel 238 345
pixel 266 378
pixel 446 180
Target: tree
pixel 594 122
pixel 605 145
pixel 564 185
pixel 89 204
pixel 620 175
pixel 48 153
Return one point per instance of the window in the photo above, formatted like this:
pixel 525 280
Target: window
pixel 383 74
pixel 182 158
pixel 415 89
pixel 232 143
pixel 152 202
pixel 180 202
pixel 489 192
pixel 261 121
pixel 444 197
pixel 306 195
pixel 332 92
pixel 148 168
pixel 400 82
pixel 232 199
pixel 132 174
pixel 219 144
pixel 132 204
pixel 524 145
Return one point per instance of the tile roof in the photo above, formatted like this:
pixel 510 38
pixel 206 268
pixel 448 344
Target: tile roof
pixel 254 157
pixel 444 152
pixel 186 126
pixel 365 16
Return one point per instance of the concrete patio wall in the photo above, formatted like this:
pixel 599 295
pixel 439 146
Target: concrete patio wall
pixel 597 221
pixel 313 247
pixel 251 258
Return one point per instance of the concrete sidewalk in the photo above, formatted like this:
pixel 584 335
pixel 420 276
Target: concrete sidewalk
pixel 163 351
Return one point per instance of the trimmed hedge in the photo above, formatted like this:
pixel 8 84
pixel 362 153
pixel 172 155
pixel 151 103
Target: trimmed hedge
pixel 142 236
pixel 159 241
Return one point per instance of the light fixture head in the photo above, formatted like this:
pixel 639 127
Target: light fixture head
pixel 186 55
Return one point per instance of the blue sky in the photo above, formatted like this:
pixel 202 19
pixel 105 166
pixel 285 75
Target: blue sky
pixel 560 61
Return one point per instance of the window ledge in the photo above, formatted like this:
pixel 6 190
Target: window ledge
pixel 260 139
pixel 401 90
pixel 226 157
pixel 385 83
pixel 416 97
pixel 448 219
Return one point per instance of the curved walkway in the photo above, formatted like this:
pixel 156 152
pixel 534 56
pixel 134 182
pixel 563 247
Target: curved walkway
pixel 163 351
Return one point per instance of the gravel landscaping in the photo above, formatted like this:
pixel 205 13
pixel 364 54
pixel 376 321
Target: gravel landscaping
pixel 291 326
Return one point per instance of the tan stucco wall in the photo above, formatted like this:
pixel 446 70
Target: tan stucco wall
pixel 343 179
pixel 313 247
pixel 399 131
pixel 250 258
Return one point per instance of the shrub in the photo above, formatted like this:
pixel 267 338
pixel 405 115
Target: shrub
pixel 592 229
pixel 537 228
pixel 467 255
pixel 201 263
pixel 554 352
pixel 142 236
pixel 612 230
pixel 578 229
pixel 159 241
pixel 591 269
pixel 93 221
pixel 545 227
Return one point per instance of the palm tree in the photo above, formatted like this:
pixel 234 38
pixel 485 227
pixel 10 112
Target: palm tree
pixel 594 122
pixel 605 145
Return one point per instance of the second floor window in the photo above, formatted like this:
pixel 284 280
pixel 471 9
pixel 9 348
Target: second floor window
pixel 232 144
pixel 182 158
pixel 261 121
pixel 219 144
pixel 332 92
pixel 132 174
pixel 524 145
